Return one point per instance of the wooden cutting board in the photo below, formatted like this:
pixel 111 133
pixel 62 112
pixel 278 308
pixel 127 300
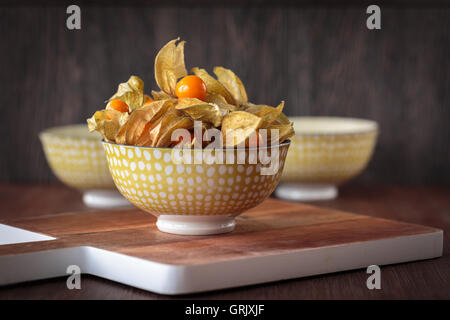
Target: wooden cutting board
pixel 274 241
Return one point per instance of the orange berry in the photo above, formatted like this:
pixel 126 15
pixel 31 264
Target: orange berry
pixel 118 105
pixel 191 87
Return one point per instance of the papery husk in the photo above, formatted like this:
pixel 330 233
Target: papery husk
pixel 159 133
pixel 139 119
pixel 161 95
pixel 285 132
pixel 221 102
pixel 131 92
pixel 147 98
pixel 165 137
pixel 232 83
pixel 267 113
pixel 169 66
pixel 121 134
pixel 282 119
pixel 238 126
pixel 213 86
pixel 202 111
pixel 108 123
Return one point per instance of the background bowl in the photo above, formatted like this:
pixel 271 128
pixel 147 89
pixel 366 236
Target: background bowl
pixel 193 199
pixel 77 158
pixel 325 152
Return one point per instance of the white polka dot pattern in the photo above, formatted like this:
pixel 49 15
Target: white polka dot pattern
pixel 78 162
pixel 149 178
pixel 328 158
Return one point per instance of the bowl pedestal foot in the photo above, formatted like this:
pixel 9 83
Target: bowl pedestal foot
pixel 104 199
pixel 195 225
pixel 306 191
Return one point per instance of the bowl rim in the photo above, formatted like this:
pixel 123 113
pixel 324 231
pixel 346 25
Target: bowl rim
pixel 58 131
pixel 285 143
pixel 369 126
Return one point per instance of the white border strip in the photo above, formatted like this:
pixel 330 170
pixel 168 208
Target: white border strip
pixel 12 235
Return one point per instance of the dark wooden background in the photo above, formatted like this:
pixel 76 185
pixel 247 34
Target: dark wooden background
pixel 322 60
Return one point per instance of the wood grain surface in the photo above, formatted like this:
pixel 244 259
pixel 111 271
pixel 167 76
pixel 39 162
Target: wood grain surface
pixel 273 227
pixel 322 60
pixel 419 205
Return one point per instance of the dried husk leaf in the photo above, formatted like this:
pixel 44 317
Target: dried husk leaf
pixel 267 113
pixel 96 122
pixel 139 119
pixel 131 92
pixel 121 134
pixel 221 102
pixel 146 139
pixel 166 132
pixel 233 84
pixel 108 123
pixel 285 132
pixel 282 119
pixel 162 128
pixel 238 126
pixel 161 95
pixel 147 98
pixel 120 117
pixel 151 129
pixel 199 110
pixel 169 66
pixel 213 86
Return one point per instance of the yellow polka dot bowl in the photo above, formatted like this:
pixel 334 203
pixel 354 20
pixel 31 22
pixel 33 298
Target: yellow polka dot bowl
pixel 195 191
pixel 77 159
pixel 325 152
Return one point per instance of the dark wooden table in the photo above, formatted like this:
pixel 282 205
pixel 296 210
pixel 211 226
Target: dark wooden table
pixel 424 279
